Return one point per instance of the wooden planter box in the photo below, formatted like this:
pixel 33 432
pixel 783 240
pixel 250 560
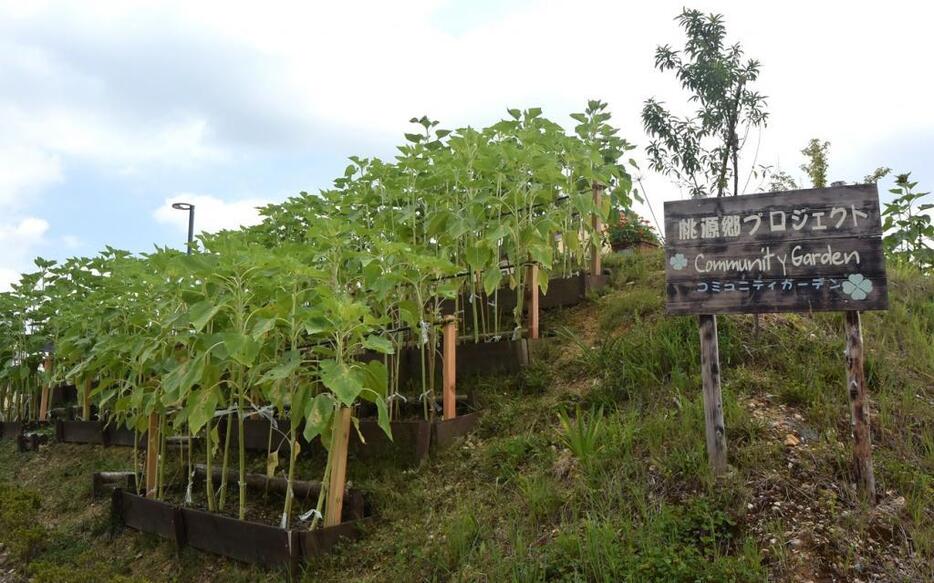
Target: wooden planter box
pixel 11 429
pixel 147 515
pixel 249 542
pixel 447 431
pixel 123 437
pixel 410 443
pixel 96 433
pixel 80 432
pixel 245 541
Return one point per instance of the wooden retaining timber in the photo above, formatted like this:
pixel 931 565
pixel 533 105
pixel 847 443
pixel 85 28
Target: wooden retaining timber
pixel 241 540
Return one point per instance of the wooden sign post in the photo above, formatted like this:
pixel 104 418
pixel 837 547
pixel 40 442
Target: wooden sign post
pixel 796 251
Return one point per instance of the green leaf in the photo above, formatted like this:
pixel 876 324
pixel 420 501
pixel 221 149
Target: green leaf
pixel 262 326
pixel 202 313
pixel 318 416
pixel 379 344
pixel 341 380
pixel 240 347
pixel 376 379
pixel 477 256
pixel 382 419
pixel 287 366
pixel 492 279
pixel 201 407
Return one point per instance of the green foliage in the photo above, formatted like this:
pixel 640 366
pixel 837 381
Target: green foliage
pixel 583 434
pixel 628 307
pixel 20 532
pixel 816 167
pixel 877 175
pixel 701 152
pixel 908 226
pixel 780 181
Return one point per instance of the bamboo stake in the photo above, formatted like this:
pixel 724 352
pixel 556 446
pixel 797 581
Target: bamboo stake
pixel 859 407
pixel 152 455
pixel 713 402
pixel 596 267
pixel 338 478
pixel 449 370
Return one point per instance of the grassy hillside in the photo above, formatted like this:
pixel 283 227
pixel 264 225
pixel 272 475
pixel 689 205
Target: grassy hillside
pixel 591 465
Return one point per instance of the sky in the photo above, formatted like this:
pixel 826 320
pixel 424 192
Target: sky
pixel 110 111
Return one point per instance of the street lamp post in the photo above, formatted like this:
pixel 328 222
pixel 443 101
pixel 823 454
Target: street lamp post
pixel 185 206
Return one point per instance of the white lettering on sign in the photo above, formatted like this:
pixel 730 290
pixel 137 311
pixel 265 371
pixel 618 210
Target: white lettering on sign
pixel 763 263
pixel 730 226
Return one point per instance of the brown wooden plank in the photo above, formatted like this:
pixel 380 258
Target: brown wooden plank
pixel 249 542
pixel 771 297
pixel 822 205
pixel 449 365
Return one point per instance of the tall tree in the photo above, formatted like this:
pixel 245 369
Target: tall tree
pixel 701 151
pixel 816 168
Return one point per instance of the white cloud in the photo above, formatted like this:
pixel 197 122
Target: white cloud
pixel 212 214
pixel 25 170
pixel 19 240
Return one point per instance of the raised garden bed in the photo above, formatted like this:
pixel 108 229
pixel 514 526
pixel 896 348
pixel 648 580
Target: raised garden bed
pixel 97 433
pixel 11 429
pixel 241 540
pixel 447 431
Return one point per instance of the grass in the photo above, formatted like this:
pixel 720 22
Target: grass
pixel 516 502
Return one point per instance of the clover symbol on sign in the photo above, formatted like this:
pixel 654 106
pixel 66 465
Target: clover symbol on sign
pixel 857 287
pixel 678 262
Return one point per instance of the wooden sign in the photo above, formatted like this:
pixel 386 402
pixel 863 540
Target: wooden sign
pixel 802 250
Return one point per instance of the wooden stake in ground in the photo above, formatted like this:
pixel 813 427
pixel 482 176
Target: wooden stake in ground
pixel 340 438
pixel 859 407
pixel 713 402
pixel 152 455
pixel 449 368
pixel 596 267
pixel 533 301
pixel 44 397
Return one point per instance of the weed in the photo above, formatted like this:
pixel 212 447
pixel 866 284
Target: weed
pixel 582 435
pixel 629 307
